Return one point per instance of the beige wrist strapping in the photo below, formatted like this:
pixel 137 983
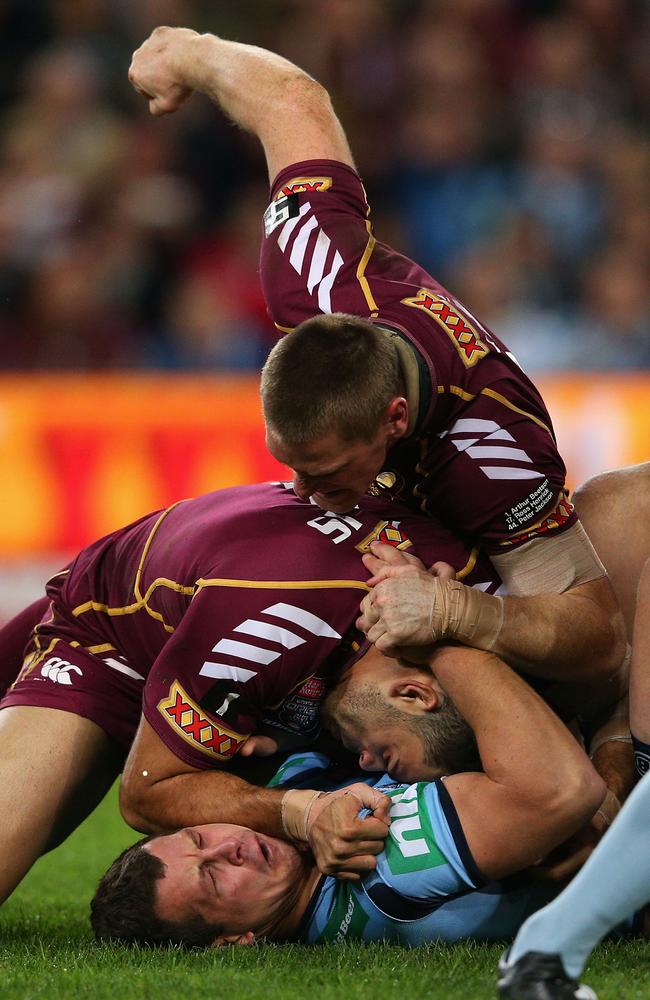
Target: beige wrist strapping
pixel 294 811
pixel 616 729
pixel 464 613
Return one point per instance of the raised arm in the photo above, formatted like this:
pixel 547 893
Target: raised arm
pixel 289 112
pixel 538 786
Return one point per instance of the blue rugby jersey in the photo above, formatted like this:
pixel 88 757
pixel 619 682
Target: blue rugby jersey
pixel 426 886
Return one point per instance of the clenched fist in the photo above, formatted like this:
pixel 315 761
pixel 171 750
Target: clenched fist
pixel 161 69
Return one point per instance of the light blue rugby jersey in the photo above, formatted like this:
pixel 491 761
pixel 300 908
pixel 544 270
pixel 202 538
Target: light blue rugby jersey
pixel 426 886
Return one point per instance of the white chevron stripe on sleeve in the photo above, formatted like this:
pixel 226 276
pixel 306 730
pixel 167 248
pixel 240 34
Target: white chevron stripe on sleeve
pixel 495 451
pixel 289 226
pixel 312 623
pixel 325 287
pixel 500 435
pixel 274 633
pixel 462 444
pixel 123 668
pixel 300 244
pixel 319 256
pixel 467 425
pixel 503 472
pixel 226 672
pixel 245 651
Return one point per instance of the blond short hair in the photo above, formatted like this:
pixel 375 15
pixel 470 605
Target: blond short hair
pixel 332 373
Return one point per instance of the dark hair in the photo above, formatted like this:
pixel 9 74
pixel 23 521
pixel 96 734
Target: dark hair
pixel 123 907
pixel 447 739
pixel 332 373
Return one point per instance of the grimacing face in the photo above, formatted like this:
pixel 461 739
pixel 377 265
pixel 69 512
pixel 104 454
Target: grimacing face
pixel 227 874
pixel 333 472
pixel 369 710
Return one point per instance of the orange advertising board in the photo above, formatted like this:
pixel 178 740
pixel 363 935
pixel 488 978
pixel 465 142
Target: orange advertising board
pixel 81 455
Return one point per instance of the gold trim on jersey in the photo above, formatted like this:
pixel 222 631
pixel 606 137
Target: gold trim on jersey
pixel 517 409
pixel 361 270
pixel 141 602
pixel 469 565
pixel 284 584
pixel 147 546
pixel 284 329
pixel 468 396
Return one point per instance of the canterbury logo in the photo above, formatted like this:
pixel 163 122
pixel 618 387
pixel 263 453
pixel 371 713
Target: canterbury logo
pixel 58 670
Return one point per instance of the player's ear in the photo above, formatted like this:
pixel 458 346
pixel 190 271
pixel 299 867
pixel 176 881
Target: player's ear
pixel 397 417
pixel 247 938
pixel 415 694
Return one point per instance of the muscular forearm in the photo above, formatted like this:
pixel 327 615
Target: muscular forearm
pixel 204 797
pixel 516 732
pixel 261 92
pixel 576 636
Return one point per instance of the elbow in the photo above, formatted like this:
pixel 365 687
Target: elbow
pixel 133 807
pixel 574 799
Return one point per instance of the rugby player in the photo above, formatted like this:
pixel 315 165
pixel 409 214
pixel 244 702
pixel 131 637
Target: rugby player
pixel 383 369
pixel 551 950
pixel 449 840
pixel 194 626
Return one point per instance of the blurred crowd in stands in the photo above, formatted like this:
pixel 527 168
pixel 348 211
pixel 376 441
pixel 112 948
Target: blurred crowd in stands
pixel 504 145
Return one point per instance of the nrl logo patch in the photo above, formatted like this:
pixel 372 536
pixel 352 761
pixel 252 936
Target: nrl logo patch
pixel 388 532
pixel 191 722
pixel 461 332
pixel 304 185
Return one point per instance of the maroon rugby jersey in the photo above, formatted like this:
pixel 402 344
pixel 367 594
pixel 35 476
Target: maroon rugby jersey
pixel 237 607
pixel 483 455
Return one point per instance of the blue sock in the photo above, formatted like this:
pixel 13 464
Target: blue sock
pixel 614 883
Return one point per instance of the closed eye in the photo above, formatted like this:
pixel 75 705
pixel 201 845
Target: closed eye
pixel 208 869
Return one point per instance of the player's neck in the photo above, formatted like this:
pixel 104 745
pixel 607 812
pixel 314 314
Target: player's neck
pixel 286 925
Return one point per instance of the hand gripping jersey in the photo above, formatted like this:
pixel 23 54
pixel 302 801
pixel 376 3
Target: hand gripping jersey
pixel 231 609
pixel 483 454
pixel 426 886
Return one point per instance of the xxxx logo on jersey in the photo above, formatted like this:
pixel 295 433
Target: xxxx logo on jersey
pixel 466 339
pixel 190 722
pixel 556 519
pixel 304 185
pixel 388 532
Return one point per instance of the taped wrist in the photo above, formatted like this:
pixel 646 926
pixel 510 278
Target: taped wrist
pixel 616 729
pixel 294 811
pixel 641 756
pixel 463 613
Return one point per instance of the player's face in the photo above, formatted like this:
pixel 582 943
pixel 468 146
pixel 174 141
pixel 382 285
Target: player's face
pixel 229 875
pixel 392 750
pixel 369 711
pixel 334 473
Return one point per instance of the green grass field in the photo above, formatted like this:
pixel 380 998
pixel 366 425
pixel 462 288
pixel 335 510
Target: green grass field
pixel 47 952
